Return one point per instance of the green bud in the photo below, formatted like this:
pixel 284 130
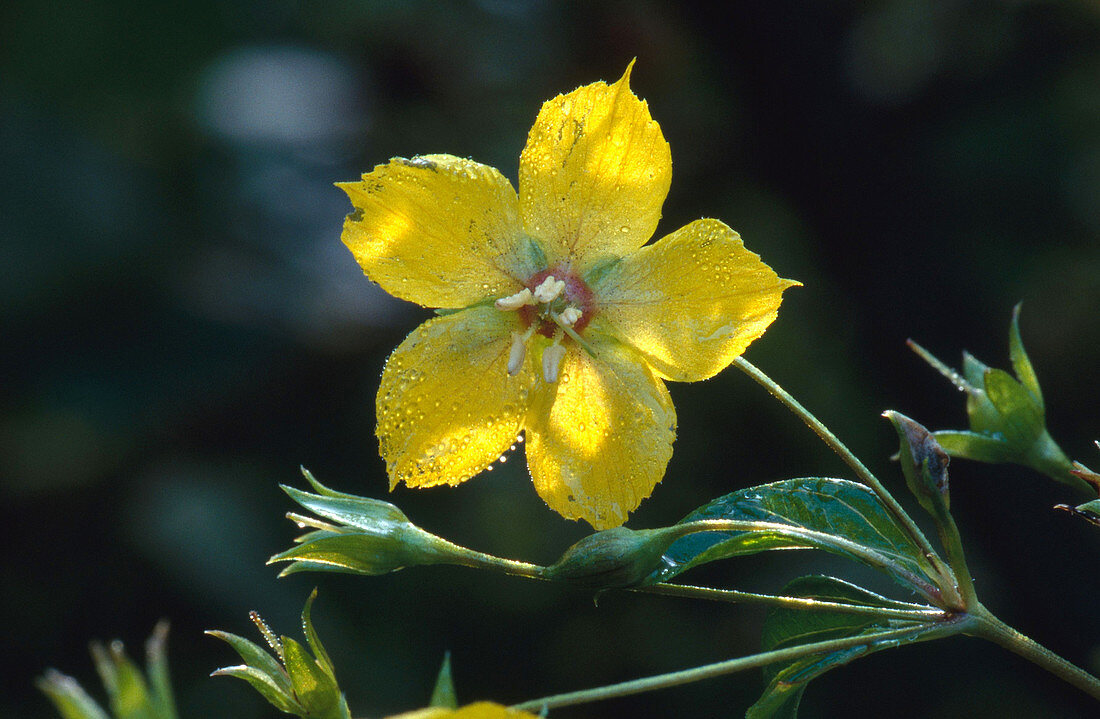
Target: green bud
pixel 291 678
pixel 130 694
pixel 361 536
pixel 1007 414
pixel 613 558
pixel 923 462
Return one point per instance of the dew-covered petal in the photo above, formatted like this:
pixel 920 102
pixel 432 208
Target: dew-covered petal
pixel 594 174
pixel 691 302
pixel 447 407
pixel 477 710
pixel 599 439
pixel 438 230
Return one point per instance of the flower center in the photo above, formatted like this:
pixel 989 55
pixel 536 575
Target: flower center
pixel 556 304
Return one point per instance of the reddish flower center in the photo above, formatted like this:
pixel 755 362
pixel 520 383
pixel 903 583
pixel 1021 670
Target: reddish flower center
pixel 576 294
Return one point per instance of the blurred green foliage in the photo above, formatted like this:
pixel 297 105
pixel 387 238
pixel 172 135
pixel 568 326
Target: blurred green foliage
pixel 182 328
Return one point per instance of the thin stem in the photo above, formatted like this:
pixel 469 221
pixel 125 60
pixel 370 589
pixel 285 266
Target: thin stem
pixel 481 560
pixel 952 545
pixel 733 596
pixel 708 671
pixel 989 627
pixel 823 540
pixel 839 447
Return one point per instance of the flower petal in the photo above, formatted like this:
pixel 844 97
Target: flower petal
pixel 599 439
pixel 691 302
pixel 447 406
pixel 594 174
pixel 477 710
pixel 438 230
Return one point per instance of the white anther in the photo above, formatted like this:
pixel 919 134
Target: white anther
pixel 551 362
pixel 517 353
pixel 569 316
pixel 549 289
pixel 514 302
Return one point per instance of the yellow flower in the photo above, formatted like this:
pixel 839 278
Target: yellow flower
pixel 557 319
pixel 477 710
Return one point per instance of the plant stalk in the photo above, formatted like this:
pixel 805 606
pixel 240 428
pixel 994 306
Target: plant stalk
pixel 987 626
pixel 733 596
pixel 841 449
pixel 708 671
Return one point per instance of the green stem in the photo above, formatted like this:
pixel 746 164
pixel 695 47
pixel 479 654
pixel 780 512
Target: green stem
pixel 481 560
pixel 733 596
pixel 839 447
pixel 952 545
pixel 987 626
pixel 708 671
pixel 823 540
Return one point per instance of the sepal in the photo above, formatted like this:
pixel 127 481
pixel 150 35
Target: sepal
pixel 130 694
pixel 1007 414
pixel 361 536
pixel 293 679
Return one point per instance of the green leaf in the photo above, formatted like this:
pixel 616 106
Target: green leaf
pixel 1020 361
pixel 1022 417
pixel 262 683
pixel 840 508
pixel 978 447
pixel 785 627
pixel 443 695
pixel 68 697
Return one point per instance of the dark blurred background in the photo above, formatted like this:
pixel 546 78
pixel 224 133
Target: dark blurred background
pixel 181 327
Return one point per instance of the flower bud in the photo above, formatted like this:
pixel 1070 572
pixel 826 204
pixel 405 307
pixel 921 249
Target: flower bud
pixel 613 558
pixel 923 461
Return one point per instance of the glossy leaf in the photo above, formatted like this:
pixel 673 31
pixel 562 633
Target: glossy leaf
pixel 792 627
pixel 839 508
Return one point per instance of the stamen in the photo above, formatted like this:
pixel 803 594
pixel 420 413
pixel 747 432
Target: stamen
pixel 551 361
pixel 570 315
pixel 519 350
pixel 514 302
pixel 549 289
